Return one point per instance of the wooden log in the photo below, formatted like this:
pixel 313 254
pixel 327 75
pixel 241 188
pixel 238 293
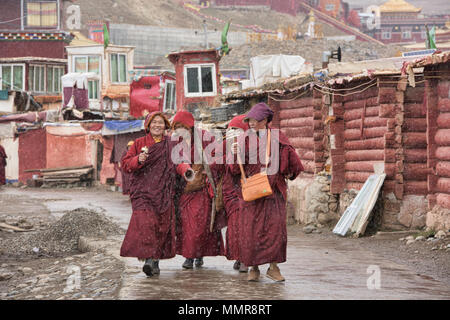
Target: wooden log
pixel 443 153
pixel 297 122
pixel 370 122
pixel 415 139
pixel 352 176
pixel 310 155
pixel 58 169
pixel 443 200
pixel 309 166
pixel 6 226
pixel 443 169
pixel 299 132
pixel 443 121
pixel 355 134
pixel 442 137
pixel 355 104
pixel 415 155
pixel 443 89
pixel 296 113
pixel 370 94
pixel 444 105
pixel 302 142
pixel 415 125
pixel 375 143
pixel 298 103
pixel 443 185
pixel 415 94
pixel 416 187
pixel 387 110
pixel 416 171
pixel 387 95
pixel 364 155
pixel 354 114
pixel 354 185
pixel 415 110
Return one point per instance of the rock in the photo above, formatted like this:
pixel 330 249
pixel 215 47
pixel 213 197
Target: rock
pixel 26 270
pixel 416 251
pixel 401 239
pixel 39 297
pixel 420 238
pixel 309 229
pixel 5 276
pixel 410 242
pixel 317 231
pixel 440 234
pixel 409 238
pixel 323 218
pixel 434 248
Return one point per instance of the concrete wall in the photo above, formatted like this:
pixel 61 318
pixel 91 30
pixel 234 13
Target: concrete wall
pixel 154 42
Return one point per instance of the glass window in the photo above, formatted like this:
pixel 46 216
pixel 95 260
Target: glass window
pixel 6 77
pixel 192 80
pixel 94 64
pixel 118 68
pixel 170 96
pixel 54 75
pixel 80 64
pixel 199 80
pixel 41 13
pixel 207 80
pixel 37 78
pixel 93 92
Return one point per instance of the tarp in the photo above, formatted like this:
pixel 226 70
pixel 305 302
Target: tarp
pixel 269 68
pixel 122 126
pixel 145 94
pixel 25 117
pixel 80 79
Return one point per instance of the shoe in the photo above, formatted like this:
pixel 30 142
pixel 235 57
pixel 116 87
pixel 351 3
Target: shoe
pixel 155 267
pixel 147 268
pixel 275 274
pixel 188 264
pixel 236 265
pixel 243 268
pixel 199 262
pixel 253 275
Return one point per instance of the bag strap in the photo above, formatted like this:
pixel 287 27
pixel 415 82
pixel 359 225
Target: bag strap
pixel 267 156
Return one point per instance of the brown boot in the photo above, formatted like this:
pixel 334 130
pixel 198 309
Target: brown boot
pixel 253 275
pixel 274 273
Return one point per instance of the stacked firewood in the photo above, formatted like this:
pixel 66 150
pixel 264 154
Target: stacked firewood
pixel 68 175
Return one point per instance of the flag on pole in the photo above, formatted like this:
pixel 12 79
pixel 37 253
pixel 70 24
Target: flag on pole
pixel 431 38
pixel 105 36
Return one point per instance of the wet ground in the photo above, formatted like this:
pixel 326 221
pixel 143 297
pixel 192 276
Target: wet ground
pixel 318 266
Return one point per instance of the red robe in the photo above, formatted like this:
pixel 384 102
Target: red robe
pixel 126 176
pixel 195 239
pixel 262 229
pixel 151 232
pixel 231 196
pixel 2 166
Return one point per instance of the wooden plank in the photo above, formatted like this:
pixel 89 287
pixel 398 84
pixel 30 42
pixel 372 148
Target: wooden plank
pixel 58 169
pixel 9 227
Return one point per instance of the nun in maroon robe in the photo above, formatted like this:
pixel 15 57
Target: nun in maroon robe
pixel 262 229
pixel 194 238
pixel 231 197
pixel 151 231
pixel 2 165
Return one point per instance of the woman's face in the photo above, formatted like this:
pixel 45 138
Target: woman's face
pixel 157 126
pixel 257 125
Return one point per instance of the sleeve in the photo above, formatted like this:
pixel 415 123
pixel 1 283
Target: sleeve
pixel 130 162
pixel 290 164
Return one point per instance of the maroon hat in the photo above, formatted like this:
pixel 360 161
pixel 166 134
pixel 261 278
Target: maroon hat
pixel 260 112
pixel 184 117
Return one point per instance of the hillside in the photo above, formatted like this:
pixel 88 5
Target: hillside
pixel 171 13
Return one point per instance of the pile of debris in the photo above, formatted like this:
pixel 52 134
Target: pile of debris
pixel 81 176
pixel 63 235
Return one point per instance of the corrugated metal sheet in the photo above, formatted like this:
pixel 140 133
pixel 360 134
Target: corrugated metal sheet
pixel 356 216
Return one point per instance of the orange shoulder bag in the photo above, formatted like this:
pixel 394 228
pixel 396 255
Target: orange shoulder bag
pixel 256 186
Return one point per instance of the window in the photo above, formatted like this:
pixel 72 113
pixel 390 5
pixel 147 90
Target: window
pixel 329 7
pixel 406 34
pixel 170 96
pixel 200 80
pixel 118 68
pixel 385 34
pixel 86 64
pixel 93 91
pixel 42 14
pixel 54 75
pixel 36 79
pixel 12 77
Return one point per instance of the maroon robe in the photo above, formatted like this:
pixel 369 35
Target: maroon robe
pixel 195 239
pixel 262 229
pixel 151 232
pixel 2 165
pixel 231 195
pixel 126 176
